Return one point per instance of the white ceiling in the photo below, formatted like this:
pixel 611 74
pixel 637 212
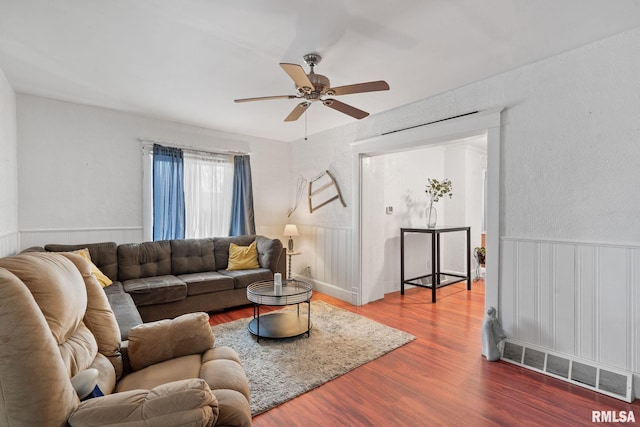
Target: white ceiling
pixel 188 60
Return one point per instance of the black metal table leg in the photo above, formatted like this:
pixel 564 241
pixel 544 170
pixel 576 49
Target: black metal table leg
pixel 308 318
pixel 434 264
pixel 401 262
pixel 469 259
pixel 258 323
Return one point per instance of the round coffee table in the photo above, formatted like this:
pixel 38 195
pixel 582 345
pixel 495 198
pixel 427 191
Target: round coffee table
pixel 280 324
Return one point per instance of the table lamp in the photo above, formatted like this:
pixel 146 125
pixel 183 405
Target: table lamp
pixel 290 230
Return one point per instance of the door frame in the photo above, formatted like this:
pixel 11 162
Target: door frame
pixel 482 123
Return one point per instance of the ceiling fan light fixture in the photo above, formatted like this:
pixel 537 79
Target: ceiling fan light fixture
pixel 314 87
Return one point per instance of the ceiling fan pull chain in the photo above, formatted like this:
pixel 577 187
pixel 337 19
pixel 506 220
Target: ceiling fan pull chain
pixel 305 125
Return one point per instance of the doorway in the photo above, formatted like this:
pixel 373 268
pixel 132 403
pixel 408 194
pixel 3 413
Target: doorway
pixel 393 196
pixel 373 252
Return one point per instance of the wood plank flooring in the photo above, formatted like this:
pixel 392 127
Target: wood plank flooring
pixel 439 379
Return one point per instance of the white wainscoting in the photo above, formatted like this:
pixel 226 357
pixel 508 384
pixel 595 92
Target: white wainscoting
pixel 577 298
pixel 327 252
pixel 9 244
pixel 119 235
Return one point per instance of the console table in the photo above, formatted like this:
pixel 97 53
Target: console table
pixel 435 260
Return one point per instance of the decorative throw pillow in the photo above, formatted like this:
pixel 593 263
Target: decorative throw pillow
pixel 102 278
pixel 243 257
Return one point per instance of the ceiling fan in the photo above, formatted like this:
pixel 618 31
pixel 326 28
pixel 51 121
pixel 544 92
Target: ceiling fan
pixel 316 87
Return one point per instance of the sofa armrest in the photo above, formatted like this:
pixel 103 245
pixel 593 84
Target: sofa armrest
pixel 186 402
pixel 162 340
pixel 270 253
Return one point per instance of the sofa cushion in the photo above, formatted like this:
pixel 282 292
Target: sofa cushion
pixel 181 403
pixel 243 278
pixel 137 260
pixel 56 285
pixel 243 257
pixel 59 290
pixel 155 342
pixel 221 245
pixel 206 282
pixel 192 256
pixel 104 255
pixel 99 316
pixel 155 290
pixel 123 308
pixel 29 370
pixel 103 279
pixel 269 252
pixel 180 368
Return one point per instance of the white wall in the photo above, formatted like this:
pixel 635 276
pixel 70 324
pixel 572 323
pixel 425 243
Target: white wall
pixel 569 154
pixel 398 180
pixel 9 237
pixel 464 164
pixel 406 176
pixel 80 170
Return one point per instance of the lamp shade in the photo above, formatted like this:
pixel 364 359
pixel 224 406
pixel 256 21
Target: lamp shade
pixel 290 230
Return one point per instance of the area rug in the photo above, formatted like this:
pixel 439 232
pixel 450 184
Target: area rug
pixel 279 370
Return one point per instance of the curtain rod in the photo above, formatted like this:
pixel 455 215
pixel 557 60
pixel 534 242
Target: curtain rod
pixel 151 141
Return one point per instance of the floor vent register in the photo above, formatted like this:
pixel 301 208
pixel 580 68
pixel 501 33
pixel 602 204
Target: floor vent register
pixel 588 374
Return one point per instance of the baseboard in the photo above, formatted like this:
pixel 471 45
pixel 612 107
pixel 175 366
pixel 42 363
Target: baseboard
pixel 329 289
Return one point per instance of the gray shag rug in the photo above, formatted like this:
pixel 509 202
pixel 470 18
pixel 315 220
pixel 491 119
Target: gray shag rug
pixel 279 370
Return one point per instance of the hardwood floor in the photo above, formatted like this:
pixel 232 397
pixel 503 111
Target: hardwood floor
pixel 439 379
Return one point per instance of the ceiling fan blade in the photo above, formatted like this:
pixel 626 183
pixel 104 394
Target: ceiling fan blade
pixel 359 88
pixel 265 98
pixel 297 112
pixel 298 75
pixel 345 108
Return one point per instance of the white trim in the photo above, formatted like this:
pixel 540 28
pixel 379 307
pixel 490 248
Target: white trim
pixel 487 123
pixel 329 289
pixel 76 230
pixel 9 234
pixel 40 237
pixel 572 242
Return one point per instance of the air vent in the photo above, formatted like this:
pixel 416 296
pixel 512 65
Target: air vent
pixel 612 382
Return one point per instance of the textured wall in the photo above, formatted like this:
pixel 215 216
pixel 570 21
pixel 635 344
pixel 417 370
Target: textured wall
pixel 80 170
pixel 569 158
pixel 570 131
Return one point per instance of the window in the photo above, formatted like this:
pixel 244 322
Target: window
pixel 208 193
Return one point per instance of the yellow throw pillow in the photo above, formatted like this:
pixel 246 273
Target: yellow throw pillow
pixel 102 278
pixel 243 257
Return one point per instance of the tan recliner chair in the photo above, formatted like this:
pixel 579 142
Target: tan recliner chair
pixel 55 322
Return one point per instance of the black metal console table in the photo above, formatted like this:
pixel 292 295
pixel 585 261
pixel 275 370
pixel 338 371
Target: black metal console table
pixel 435 260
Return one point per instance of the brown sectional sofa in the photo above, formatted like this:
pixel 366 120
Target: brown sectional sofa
pixel 165 279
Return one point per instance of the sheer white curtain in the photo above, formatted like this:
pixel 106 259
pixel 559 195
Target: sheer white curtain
pixel 208 188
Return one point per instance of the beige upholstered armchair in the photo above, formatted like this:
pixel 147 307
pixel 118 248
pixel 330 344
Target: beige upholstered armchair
pixel 56 323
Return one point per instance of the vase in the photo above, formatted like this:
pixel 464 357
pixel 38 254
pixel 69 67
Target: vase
pixel 432 216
